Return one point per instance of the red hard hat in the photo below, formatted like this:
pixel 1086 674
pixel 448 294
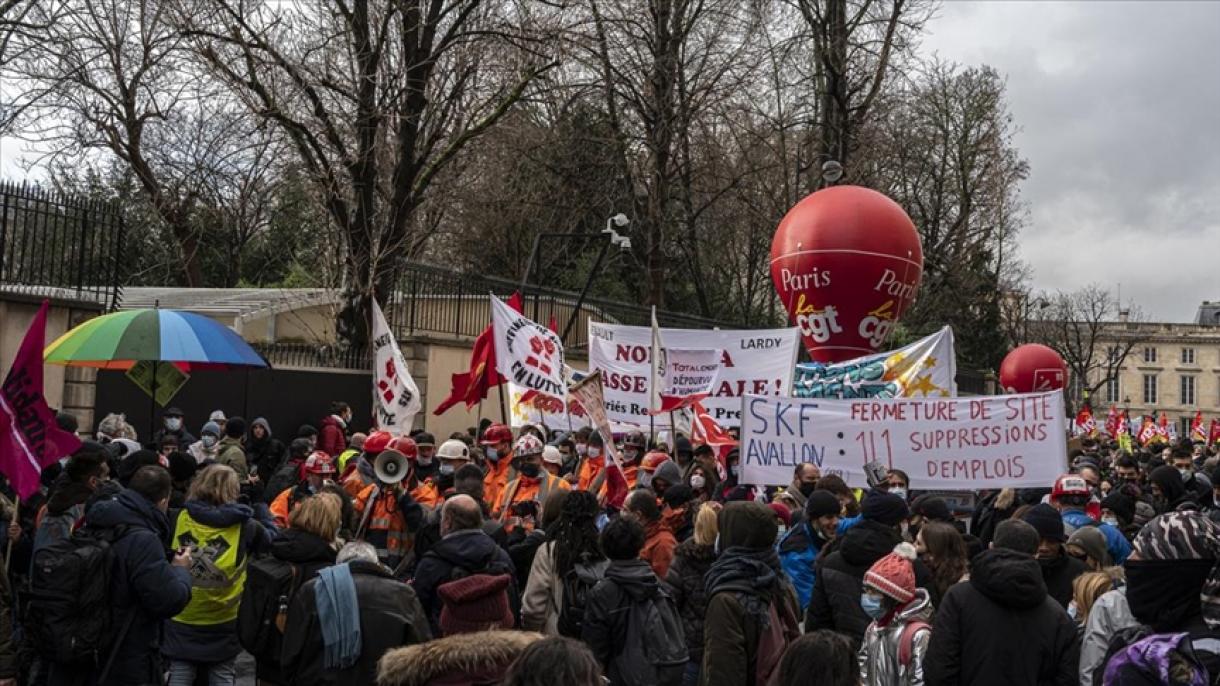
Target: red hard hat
pixel 319 462
pixel 405 445
pixel 497 433
pixel 1070 484
pixel 377 442
pixel 653 460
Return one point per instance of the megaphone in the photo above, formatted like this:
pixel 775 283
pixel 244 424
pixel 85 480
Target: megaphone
pixel 391 467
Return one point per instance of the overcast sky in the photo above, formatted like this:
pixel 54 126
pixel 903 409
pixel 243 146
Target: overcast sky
pixel 1119 109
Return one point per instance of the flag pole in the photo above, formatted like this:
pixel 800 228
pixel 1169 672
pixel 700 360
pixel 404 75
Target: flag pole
pixel 8 552
pixel 503 406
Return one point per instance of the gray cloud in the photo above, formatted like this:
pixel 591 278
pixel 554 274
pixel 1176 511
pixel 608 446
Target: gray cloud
pixel 1119 109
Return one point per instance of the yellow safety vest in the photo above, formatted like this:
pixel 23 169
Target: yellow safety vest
pixel 217 578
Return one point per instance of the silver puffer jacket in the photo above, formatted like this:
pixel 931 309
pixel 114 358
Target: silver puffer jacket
pixel 878 657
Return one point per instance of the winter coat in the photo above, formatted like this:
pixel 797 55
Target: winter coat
pixel 731 638
pixel 144 586
pixel 286 476
pixel 1001 628
pixel 310 555
pixel 477 659
pixel 992 510
pixel 461 553
pixel 1116 544
pixel 522 547
pixel 798 550
pixel 685 583
pixel 1153 659
pixel 608 607
pixel 390 616
pixel 332 437
pixel 658 550
pixel 879 653
pixel 232 453
pixel 1059 574
pixel 214 642
pixel 543 596
pixel 1109 615
pixel 839 575
pixel 267 454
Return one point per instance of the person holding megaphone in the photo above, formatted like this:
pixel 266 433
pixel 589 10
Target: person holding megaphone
pixel 389 516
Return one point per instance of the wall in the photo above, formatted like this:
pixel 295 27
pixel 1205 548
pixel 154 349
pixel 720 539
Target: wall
pixel 1168 340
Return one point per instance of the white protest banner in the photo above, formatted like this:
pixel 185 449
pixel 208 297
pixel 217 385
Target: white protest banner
pixel 397 395
pixel 590 393
pixel 528 354
pixel 941 443
pixel 687 376
pixel 754 361
pixel 925 368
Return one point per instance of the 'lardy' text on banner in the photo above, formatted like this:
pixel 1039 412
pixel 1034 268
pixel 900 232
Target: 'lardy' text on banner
pixel 950 443
pixel 758 361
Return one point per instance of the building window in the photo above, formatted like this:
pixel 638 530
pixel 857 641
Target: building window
pixel 1187 390
pixel 1112 390
pixel 1150 389
pixel 1150 354
pixel 1188 355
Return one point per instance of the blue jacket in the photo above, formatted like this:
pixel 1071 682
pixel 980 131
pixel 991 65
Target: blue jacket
pixel 1116 544
pixel 797 551
pixel 144 585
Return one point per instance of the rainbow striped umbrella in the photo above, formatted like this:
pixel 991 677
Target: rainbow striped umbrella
pixel 121 339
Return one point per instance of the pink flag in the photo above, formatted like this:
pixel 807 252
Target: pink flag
pixel 29 437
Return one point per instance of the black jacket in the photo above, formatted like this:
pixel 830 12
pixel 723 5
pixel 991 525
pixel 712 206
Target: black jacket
pixel 607 608
pixel 461 553
pixel 267 454
pixel 1059 573
pixel 390 616
pixel 685 583
pixel 835 601
pixel 143 586
pixel 310 555
pixel 1001 628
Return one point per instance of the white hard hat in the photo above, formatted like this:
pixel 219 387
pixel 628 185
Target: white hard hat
pixel 527 445
pixel 551 454
pixel 453 449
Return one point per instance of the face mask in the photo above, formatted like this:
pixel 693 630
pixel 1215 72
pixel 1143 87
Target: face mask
pixel 631 455
pixel 1112 521
pixel 782 530
pixel 735 470
pixel 1071 610
pixel 594 452
pixel 582 449
pixel 424 461
pixel 871 605
pixel 644 480
pixel 173 423
pixel 445 469
pixel 899 491
pixel 1185 473
pixel 491 454
pixel 697 481
pixel 208 441
pixel 530 470
pixel 807 489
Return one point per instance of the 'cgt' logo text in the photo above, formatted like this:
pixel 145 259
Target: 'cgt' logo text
pixel 878 325
pixel 818 325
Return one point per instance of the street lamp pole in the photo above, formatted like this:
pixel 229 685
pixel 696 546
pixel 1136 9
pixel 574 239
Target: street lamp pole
pixel 623 242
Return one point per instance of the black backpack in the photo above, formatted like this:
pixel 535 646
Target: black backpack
pixel 69 616
pixel 654 648
pixel 577 583
pixel 270 585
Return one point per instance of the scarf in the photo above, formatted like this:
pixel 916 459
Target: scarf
pixel 751 574
pixel 1182 551
pixel 338 616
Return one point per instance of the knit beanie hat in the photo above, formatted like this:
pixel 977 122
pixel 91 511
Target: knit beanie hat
pixel 781 512
pixel 885 508
pixel 182 467
pixel 822 503
pixel 933 508
pixel 894 574
pixel 669 472
pixel 211 428
pixel 475 603
pixel 1047 521
pixel 1092 541
pixel 1121 504
pixel 1143 513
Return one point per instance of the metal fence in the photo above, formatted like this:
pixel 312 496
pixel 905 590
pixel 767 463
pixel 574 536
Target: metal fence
pixel 433 300
pixel 55 245
pixel 300 355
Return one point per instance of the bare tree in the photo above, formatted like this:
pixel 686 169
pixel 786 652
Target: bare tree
pixel 377 98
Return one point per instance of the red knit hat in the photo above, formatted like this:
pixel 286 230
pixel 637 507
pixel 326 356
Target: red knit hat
pixel 894 575
pixel 475 603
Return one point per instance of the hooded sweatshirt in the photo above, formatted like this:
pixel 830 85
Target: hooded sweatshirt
pixel 608 606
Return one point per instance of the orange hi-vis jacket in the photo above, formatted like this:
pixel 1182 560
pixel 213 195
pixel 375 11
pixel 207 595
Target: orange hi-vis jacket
pixel 497 478
pixel 590 468
pixel 427 494
pixel 387 528
pixel 282 506
pixel 355 483
pixel 524 488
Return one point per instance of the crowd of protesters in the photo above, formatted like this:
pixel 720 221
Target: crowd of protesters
pixel 500 556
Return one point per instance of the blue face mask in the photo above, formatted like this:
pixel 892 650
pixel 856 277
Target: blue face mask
pixel 491 454
pixel 871 605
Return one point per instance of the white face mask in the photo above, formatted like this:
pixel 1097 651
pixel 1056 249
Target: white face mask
pixel 1112 521
pixel 735 470
pixel 697 481
pixel 899 491
pixel 173 423
pixel 208 441
pixel 582 449
pixel 594 452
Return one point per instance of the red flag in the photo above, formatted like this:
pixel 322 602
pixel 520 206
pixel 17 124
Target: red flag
pixel 1163 430
pixel 29 437
pixel 1147 431
pixel 471 386
pixel 1085 425
pixel 705 429
pixel 1213 433
pixel 1112 422
pixel 1196 428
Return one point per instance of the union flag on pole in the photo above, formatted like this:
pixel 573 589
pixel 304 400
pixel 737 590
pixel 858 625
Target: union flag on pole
pixel 1113 422
pixel 1164 430
pixel 1085 424
pixel 471 386
pixel 1196 428
pixel 29 437
pixel 1147 432
pixel 1213 432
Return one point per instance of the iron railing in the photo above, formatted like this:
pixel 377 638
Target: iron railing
pixel 281 355
pixel 55 245
pixel 430 300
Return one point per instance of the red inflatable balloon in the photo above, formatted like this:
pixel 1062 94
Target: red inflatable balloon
pixel 1032 368
pixel 846 262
